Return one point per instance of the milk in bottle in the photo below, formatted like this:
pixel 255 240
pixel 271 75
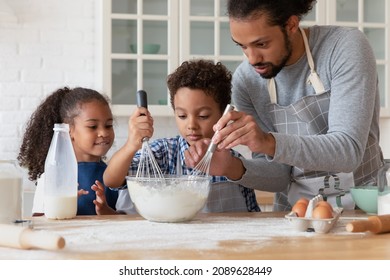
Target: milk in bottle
pixel 60 176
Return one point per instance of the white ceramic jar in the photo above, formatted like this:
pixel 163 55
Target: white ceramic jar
pixel 10 192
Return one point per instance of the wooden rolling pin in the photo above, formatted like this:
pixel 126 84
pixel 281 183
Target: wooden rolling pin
pixel 375 224
pixel 26 238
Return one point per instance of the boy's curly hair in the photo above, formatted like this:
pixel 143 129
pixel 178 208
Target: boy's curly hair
pixel 212 78
pixel 62 106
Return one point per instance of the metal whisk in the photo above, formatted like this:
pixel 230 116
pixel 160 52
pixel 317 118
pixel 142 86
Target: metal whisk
pixel 203 167
pixel 147 166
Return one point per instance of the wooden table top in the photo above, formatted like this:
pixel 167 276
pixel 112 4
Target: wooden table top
pixel 266 235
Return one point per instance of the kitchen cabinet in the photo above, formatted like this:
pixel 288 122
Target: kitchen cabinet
pixel 187 29
pixel 127 68
pixel 373 19
pixel 181 30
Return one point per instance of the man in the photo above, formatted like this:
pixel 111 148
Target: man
pixel 308 111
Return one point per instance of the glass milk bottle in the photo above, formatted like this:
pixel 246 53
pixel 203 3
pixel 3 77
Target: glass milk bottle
pixel 384 189
pixel 10 192
pixel 60 189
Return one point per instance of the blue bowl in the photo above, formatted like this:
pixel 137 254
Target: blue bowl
pixel 366 198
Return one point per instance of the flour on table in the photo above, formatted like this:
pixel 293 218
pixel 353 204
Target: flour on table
pixel 136 234
pixel 101 235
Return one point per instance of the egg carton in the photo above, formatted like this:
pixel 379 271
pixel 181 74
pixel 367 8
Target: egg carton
pixel 308 223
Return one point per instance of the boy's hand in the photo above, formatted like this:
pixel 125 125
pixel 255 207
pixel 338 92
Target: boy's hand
pixel 140 126
pixel 196 152
pixel 219 160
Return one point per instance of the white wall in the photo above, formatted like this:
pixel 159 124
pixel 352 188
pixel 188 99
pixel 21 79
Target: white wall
pixel 56 43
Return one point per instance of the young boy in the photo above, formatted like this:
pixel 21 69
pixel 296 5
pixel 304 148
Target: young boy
pixel 199 92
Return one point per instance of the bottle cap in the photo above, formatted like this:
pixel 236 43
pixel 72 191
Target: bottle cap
pixel 61 127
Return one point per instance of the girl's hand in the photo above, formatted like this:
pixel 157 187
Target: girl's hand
pixel 82 192
pixel 100 202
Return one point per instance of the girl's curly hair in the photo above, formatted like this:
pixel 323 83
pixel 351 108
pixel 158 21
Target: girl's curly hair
pixel 278 11
pixel 212 78
pixel 62 106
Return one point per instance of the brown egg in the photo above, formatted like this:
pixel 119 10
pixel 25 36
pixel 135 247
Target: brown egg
pixel 326 204
pixel 300 209
pixel 303 200
pixel 322 212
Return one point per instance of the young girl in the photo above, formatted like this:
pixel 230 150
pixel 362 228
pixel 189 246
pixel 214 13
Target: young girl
pixel 91 129
pixel 199 93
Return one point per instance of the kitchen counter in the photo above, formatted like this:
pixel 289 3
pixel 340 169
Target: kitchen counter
pixel 266 235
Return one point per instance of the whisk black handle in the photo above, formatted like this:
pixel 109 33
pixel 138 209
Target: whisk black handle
pixel 142 99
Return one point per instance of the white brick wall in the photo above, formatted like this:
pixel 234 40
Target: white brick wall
pixel 51 45
pixel 55 43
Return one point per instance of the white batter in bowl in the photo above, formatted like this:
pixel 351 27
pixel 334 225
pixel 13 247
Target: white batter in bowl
pixel 174 199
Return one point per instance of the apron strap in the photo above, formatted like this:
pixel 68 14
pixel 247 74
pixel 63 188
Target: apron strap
pixel 272 90
pixel 313 78
pixel 307 49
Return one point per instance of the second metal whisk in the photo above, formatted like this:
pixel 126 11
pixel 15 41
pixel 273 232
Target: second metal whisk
pixel 203 167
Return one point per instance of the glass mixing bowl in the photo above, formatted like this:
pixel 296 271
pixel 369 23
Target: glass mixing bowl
pixel 171 199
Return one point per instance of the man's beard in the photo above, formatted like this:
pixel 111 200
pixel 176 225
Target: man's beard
pixel 275 69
